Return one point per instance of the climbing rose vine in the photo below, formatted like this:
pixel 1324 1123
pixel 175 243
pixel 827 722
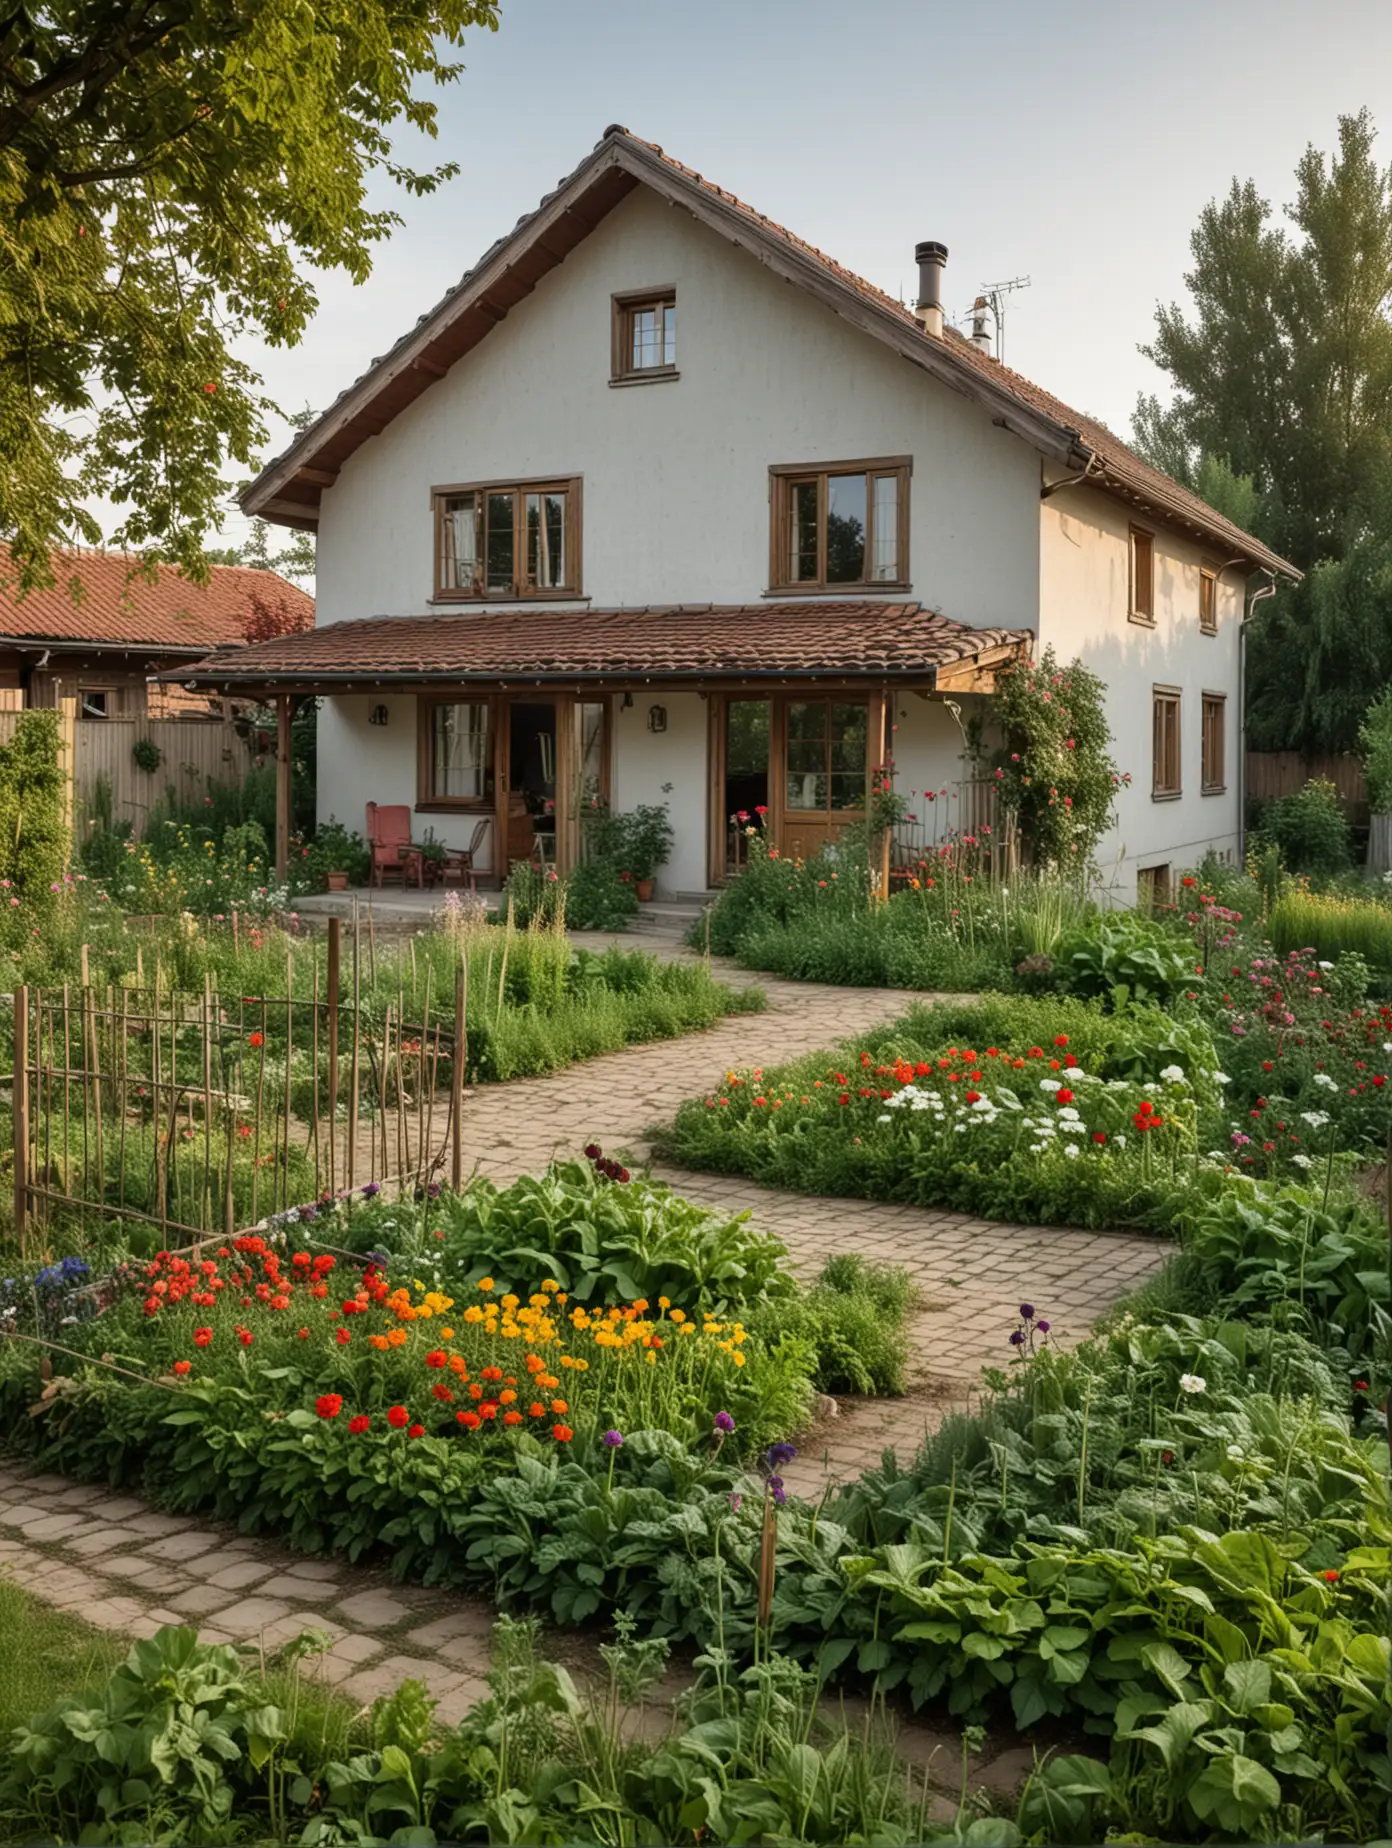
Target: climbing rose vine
pixel 1055 771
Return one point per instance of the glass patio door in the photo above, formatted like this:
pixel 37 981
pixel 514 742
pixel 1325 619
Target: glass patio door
pixel 825 770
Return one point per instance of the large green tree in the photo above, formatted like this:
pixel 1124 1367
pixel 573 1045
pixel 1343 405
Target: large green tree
pixel 1282 415
pixel 171 172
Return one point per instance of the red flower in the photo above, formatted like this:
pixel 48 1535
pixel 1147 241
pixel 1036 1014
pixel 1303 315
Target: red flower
pixel 183 1366
pixel 1061 1039
pixel 443 1394
pixel 359 1424
pixel 1099 1135
pixel 1065 1096
pixel 562 1433
pixel 1330 1576
pixel 342 1337
pixel 436 1358
pixel 1145 1108
pixel 974 1097
pixel 416 1431
pixel 304 1334
pixel 255 1039
pixel 398 1416
pixel 512 1418
pixel 470 1420
pixel 202 1336
pixel 244 1336
pixel 329 1404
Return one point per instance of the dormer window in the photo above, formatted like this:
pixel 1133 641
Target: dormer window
pixel 507 539
pixel 644 337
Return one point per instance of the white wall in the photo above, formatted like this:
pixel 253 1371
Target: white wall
pixel 1084 599
pixel 676 505
pixel 645 761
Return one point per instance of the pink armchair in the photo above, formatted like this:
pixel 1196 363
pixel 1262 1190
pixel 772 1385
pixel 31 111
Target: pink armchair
pixel 389 838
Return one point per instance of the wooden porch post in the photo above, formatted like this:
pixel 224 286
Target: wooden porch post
pixel 284 714
pixel 567 822
pixel 67 744
pixel 879 733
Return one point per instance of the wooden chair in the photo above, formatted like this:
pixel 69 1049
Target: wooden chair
pixel 389 838
pixel 459 861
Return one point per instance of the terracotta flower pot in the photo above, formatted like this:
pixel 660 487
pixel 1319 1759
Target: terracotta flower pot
pixel 644 889
pixel 338 882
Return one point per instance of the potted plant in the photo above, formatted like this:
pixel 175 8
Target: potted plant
pixel 648 840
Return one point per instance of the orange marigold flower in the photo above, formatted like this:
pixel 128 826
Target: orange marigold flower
pixel 507 1398
pixel 537 1409
pixel 562 1433
pixel 512 1418
pixel 469 1420
pixel 183 1366
pixel 559 1407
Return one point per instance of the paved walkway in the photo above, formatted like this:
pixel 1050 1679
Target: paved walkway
pixel 122 1565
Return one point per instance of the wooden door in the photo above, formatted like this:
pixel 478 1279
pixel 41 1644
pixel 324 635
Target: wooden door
pixel 821 770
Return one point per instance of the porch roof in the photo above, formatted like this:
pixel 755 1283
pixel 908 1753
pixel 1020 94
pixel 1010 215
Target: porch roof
pixel 844 640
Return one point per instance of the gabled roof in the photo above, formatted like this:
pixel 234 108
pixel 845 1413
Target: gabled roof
pixel 288 489
pixel 118 606
pixel 842 640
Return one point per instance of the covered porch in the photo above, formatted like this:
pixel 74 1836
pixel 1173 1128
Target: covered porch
pixel 503 732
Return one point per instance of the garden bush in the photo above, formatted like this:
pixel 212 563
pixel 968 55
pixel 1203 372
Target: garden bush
pixel 1310 829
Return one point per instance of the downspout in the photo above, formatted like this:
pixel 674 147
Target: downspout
pixel 1267 590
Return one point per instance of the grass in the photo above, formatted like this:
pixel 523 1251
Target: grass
pixel 47 1654
pixel 1331 925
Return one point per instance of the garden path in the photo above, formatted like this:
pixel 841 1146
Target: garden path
pixel 126 1567
pixel 972 1274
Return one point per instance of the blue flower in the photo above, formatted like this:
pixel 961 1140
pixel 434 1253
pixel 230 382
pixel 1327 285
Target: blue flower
pixel 776 1456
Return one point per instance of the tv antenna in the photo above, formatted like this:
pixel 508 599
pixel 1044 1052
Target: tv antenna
pixel 995 294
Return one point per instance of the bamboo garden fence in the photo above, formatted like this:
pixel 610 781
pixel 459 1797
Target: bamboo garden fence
pixel 202 1113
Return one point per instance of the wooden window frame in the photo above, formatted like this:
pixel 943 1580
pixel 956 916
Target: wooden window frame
pixel 426 801
pixel 782 478
pixel 1145 617
pixel 1165 792
pixel 622 370
pixel 1208 584
pixel 570 485
pixel 1216 703
pixel 1160 883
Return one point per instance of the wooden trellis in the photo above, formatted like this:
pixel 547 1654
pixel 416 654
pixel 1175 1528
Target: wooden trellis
pixel 202 1112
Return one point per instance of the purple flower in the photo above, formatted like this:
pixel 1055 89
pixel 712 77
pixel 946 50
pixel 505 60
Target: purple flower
pixel 371 1190
pixel 612 1439
pixel 776 1456
pixel 1042 1326
pixel 777 1491
pixel 1027 1311
pixel 724 1423
pixel 307 1215
pixel 1017 1338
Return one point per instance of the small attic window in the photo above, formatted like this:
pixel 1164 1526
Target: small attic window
pixel 644 337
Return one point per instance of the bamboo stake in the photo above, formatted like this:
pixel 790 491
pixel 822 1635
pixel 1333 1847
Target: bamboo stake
pixel 420 1077
pixel 332 998
pixel 21 1117
pixel 171 1142
pixel 139 967
pixel 82 963
pixel 382 1074
pixel 161 1166
pixel 122 1064
pixel 97 1088
pixel 205 1215
pixel 350 1175
pixel 371 948
pixel 458 1053
pixel 314 1080
pixel 403 1135
pixel 289 1053
pixel 67 1090
pixel 46 1079
pixel 256 1130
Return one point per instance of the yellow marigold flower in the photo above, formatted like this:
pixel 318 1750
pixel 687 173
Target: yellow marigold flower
pixel 679 1315
pixel 473 1313
pixel 447 1334
pixel 652 1358
pixel 664 1302
pixel 485 1283
pixel 738 1359
pixel 549 1283
pixel 510 1301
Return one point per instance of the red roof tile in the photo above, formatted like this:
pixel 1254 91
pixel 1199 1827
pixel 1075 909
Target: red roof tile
pixel 117 605
pixel 846 639
pixel 388 383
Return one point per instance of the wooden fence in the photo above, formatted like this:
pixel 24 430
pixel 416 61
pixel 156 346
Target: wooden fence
pixel 199 1113
pixel 194 752
pixel 1281 773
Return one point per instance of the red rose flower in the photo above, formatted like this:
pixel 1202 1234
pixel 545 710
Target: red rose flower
pixel 329 1404
pixel 398 1416
pixel 359 1424
pixel 416 1430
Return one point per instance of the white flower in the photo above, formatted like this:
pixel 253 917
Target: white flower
pixel 1173 1074
pixel 1301 1161
pixel 1221 1078
pixel 1325 965
pixel 1324 1079
pixel 1070 1148
pixel 984 1103
pixel 1120 1141
pixel 1192 1382
pixel 1315 1118
pixel 882 1119
pixel 1050 1084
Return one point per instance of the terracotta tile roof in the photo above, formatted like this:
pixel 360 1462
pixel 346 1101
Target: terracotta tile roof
pixel 848 639
pixel 119 607
pixel 1117 467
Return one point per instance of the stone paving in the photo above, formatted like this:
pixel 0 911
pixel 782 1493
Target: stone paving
pixel 126 1567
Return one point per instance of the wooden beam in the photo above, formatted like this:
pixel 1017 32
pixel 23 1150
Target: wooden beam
pixel 319 477
pixel 285 708
pixel 429 367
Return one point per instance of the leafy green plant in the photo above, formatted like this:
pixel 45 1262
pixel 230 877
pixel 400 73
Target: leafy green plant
pixel 1124 956
pixel 1055 772
pixel 146 755
pixel 1309 828
pixel 1375 746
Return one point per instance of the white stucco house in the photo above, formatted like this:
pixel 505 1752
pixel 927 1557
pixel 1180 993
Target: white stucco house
pixel 662 504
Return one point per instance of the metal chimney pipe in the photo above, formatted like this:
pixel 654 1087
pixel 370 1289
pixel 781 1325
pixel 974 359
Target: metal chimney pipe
pixel 931 258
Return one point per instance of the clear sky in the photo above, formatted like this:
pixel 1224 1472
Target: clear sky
pixel 1074 143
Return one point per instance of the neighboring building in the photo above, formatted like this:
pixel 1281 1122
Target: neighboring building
pixel 625 515
pixel 101 644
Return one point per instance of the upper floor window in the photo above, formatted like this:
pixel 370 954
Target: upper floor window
pixel 1213 769
pixel 1142 575
pixel 1165 754
pixel 1208 600
pixel 508 539
pixel 845 525
pixel 645 336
